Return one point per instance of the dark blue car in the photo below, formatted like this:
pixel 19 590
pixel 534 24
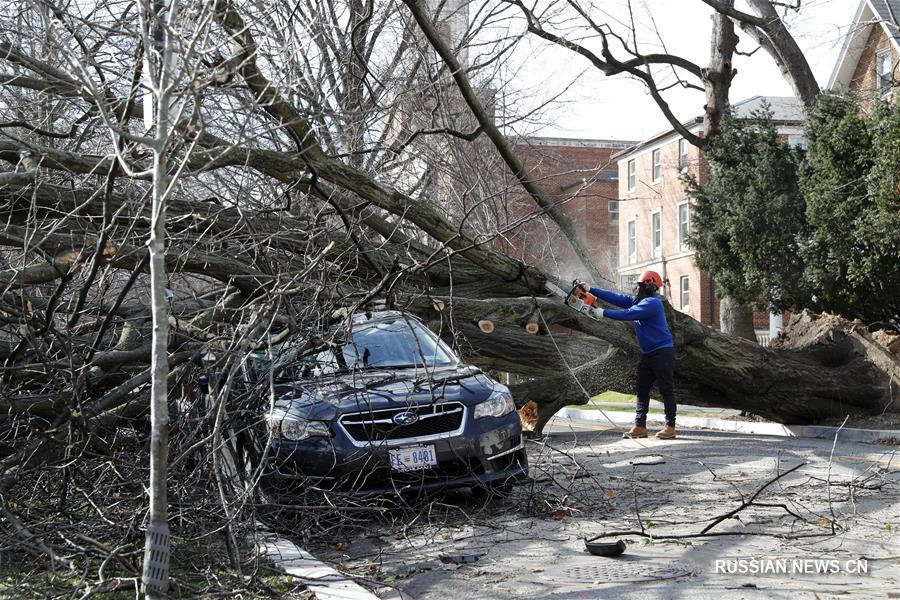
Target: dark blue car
pixel 382 406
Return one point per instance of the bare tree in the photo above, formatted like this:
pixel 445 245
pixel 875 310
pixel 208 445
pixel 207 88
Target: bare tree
pixel 157 19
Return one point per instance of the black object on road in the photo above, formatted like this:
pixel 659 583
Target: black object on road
pixel 600 549
pixel 459 559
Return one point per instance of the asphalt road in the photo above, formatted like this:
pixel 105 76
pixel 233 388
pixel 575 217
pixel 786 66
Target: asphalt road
pixel 842 507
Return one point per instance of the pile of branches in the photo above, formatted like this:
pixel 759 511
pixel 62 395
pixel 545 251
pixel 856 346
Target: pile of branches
pixel 269 238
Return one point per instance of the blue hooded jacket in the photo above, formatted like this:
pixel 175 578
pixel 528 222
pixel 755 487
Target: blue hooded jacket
pixel 648 316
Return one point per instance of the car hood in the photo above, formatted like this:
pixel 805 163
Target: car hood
pixel 325 398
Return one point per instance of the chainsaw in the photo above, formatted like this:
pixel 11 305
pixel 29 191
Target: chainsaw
pixel 582 301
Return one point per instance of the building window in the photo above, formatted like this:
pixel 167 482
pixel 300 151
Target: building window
pixel 613 212
pixel 682 153
pixel 684 224
pixel 797 140
pixel 655 233
pixel 632 243
pixel 685 293
pixel 609 176
pixel 883 79
pixel 657 167
pixel 631 174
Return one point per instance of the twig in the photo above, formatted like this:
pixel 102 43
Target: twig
pixel 27 536
pixel 747 503
pixel 828 478
pixel 705 531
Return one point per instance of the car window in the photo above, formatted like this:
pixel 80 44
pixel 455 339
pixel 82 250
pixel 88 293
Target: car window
pixel 397 343
pixel 386 344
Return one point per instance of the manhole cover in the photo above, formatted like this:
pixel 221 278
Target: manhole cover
pixel 618 570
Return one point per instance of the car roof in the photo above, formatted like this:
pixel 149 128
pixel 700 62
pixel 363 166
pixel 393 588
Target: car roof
pixel 361 318
pixel 380 315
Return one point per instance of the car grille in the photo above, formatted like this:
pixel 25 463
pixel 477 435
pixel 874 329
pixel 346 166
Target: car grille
pixel 378 426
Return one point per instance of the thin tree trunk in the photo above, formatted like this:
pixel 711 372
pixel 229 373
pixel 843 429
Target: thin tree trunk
pixel 733 318
pixel 156 549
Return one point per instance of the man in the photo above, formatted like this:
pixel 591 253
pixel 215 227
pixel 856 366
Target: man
pixel 645 310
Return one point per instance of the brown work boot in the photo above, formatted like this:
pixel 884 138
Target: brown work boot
pixel 635 432
pixel 666 433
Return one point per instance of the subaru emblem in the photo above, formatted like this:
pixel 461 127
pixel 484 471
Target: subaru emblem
pixel 405 418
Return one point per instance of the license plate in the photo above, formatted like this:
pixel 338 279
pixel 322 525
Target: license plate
pixel 412 458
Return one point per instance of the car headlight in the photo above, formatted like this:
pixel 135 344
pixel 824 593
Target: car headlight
pixel 498 404
pixel 294 428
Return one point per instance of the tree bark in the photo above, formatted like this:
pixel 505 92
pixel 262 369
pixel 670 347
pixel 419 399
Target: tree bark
pixel 614 369
pixel 718 75
pixel 513 350
pixel 736 319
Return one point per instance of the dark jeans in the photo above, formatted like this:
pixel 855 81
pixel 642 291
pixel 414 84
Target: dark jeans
pixel 656 367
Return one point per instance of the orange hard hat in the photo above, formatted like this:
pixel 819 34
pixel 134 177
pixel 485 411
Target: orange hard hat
pixel 651 278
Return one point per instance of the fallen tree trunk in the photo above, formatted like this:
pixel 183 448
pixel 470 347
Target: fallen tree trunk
pixel 828 367
pixel 513 350
pixel 613 369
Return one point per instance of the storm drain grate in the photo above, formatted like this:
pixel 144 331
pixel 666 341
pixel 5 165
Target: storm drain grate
pixel 617 570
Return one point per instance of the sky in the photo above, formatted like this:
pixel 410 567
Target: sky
pixel 590 105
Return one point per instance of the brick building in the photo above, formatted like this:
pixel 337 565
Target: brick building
pixel 580 177
pixel 869 62
pixel 655 214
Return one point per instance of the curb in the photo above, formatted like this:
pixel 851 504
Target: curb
pixel 868 436
pixel 324 581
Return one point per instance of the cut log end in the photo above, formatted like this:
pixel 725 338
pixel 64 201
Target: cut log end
pixel 532 324
pixel 486 326
pixel 528 414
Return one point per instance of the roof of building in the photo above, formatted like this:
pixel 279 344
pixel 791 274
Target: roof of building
pixel 889 11
pixel 575 142
pixel 869 13
pixel 786 110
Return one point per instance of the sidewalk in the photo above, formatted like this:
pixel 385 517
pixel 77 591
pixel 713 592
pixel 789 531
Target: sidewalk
pixel 326 582
pixel 686 419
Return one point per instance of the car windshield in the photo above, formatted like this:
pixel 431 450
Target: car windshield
pixel 391 344
pixel 397 343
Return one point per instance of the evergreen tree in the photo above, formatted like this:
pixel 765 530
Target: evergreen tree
pixel 748 217
pixel 850 182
